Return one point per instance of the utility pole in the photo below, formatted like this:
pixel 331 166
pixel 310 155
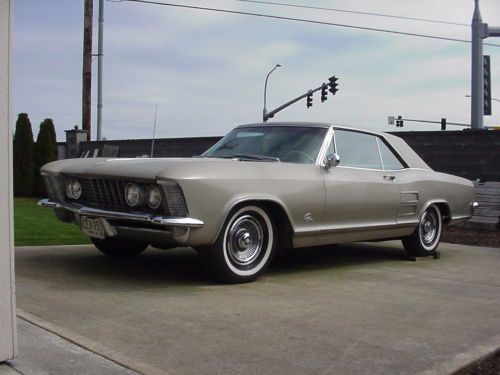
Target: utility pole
pixel 87 68
pixel 99 69
pixel 480 31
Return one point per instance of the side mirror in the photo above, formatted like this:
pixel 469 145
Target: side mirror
pixel 332 160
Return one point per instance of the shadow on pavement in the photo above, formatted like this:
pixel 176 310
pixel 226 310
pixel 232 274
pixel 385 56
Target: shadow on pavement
pixel 182 266
pixel 334 257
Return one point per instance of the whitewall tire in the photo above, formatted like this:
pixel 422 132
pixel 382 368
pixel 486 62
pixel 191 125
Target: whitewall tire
pixel 245 246
pixel 425 239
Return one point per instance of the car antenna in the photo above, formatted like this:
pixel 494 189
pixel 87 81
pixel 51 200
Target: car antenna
pixel 154 133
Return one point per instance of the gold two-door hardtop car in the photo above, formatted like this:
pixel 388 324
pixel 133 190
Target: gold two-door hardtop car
pixel 261 187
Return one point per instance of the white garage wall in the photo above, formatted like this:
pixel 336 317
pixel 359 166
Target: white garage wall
pixel 7 313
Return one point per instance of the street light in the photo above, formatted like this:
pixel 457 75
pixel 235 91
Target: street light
pixel 264 112
pixel 497 100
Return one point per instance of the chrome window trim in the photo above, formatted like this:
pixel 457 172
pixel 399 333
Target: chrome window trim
pixel 320 160
pixel 394 153
pixel 334 140
pixel 380 153
pixel 382 170
pixel 377 135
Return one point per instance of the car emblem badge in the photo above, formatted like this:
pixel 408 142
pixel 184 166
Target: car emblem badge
pixel 308 217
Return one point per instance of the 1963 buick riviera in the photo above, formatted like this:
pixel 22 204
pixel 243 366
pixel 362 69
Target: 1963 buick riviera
pixel 261 187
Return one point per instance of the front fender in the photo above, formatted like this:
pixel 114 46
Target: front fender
pixel 212 199
pixel 215 211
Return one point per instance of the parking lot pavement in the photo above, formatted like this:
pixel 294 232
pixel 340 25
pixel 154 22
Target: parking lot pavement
pixel 358 308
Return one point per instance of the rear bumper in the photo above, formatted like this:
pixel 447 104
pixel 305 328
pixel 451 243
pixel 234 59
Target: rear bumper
pixel 185 222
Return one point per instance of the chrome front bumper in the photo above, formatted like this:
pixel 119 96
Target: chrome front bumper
pixel 185 222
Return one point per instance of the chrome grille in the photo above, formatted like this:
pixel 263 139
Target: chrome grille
pixel 106 193
pixel 103 193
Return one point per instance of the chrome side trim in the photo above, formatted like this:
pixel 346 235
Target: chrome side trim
pixel 458 219
pixel 177 221
pixel 146 218
pixel 362 228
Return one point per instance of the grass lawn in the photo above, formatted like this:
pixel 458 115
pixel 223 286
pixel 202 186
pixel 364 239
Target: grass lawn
pixel 34 225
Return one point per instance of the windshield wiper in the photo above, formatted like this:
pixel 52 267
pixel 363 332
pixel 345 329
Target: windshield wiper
pixel 255 157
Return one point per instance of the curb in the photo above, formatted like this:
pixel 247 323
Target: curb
pixel 5 369
pixel 91 346
pixel 464 360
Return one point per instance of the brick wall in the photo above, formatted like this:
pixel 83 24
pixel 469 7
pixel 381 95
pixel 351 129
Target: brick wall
pixel 163 147
pixel 469 154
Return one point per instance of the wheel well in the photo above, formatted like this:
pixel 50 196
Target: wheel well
pixel 280 217
pixel 445 211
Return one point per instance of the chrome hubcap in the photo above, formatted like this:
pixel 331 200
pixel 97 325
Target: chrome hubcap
pixel 428 227
pixel 245 240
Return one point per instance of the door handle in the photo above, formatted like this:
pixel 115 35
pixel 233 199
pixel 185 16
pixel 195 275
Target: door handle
pixel 390 178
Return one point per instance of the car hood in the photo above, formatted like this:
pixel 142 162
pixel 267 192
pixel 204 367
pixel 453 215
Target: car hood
pixel 163 168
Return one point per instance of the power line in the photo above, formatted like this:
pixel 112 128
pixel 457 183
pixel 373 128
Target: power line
pixel 227 11
pixel 353 12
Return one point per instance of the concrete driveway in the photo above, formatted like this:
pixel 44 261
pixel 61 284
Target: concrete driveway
pixel 351 309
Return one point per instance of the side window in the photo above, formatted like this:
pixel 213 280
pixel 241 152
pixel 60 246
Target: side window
pixel 357 149
pixel 390 161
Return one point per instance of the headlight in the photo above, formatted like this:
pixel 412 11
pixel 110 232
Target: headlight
pixel 154 197
pixel 133 194
pixel 73 188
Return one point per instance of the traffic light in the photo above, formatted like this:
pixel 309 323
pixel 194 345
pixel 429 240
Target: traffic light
pixel 487 86
pixel 333 84
pixel 399 122
pixel 309 100
pixel 324 92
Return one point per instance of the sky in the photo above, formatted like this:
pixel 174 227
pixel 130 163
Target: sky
pixel 205 71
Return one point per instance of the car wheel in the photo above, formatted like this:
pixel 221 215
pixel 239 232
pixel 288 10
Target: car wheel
pixel 119 247
pixel 425 239
pixel 244 248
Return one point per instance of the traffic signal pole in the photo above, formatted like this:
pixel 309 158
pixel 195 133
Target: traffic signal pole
pixel 333 89
pixel 480 31
pixel 399 122
pixel 271 114
pixel 477 84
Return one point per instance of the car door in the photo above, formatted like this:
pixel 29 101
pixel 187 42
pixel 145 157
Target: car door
pixel 360 194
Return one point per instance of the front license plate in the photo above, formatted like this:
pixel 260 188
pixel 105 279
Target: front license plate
pixel 92 227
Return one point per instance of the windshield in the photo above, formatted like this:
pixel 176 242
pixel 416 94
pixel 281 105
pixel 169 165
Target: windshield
pixel 293 144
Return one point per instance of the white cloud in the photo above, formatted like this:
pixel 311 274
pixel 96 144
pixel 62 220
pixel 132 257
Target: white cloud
pixel 206 70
